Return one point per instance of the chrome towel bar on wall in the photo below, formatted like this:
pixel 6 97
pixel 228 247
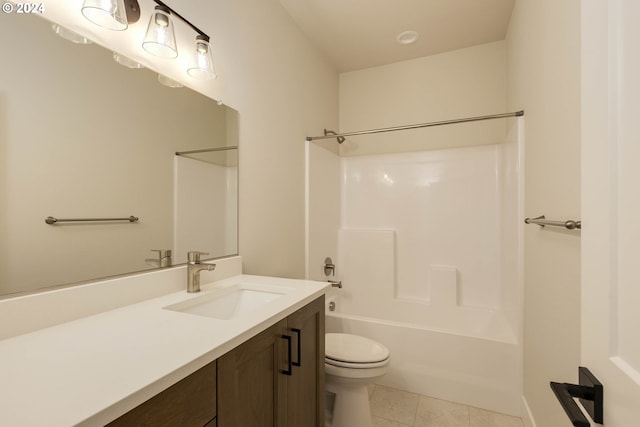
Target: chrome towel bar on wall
pixel 51 220
pixel 541 221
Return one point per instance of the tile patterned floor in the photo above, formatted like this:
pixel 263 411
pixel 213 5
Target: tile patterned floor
pixel 397 408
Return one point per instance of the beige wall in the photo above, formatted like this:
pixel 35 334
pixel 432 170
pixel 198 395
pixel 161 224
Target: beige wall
pixel 284 91
pixel 462 83
pixel 543 51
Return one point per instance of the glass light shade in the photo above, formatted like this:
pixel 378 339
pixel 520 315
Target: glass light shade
pixel 169 82
pixel 109 14
pixel 126 61
pixel 72 36
pixel 160 39
pixel 201 65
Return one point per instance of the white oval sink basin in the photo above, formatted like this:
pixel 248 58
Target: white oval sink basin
pixel 230 303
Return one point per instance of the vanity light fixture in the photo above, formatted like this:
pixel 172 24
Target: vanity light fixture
pixel 160 40
pixel 169 82
pixel 201 65
pixel 126 61
pixel 109 14
pixel 72 36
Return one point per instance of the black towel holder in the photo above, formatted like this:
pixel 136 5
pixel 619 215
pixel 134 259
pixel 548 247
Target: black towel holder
pixel 590 392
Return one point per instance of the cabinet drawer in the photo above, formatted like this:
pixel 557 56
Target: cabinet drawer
pixel 189 402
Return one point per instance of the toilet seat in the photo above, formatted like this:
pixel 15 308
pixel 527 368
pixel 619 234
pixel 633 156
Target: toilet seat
pixel 339 374
pixel 355 365
pixel 354 351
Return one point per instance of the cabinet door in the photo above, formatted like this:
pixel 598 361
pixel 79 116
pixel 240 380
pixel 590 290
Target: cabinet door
pixel 305 387
pixel 251 388
pixel 190 402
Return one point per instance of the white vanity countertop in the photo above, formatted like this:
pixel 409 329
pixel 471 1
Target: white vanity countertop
pixel 90 371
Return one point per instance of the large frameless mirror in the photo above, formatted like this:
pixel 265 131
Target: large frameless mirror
pixel 83 137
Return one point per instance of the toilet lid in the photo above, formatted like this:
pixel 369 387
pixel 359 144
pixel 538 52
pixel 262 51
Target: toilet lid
pixel 354 349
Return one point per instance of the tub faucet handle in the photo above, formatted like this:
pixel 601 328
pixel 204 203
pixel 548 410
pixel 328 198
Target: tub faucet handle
pixel 329 267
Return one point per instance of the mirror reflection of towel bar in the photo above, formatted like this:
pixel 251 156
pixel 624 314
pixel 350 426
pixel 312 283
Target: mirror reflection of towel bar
pixel 51 220
pixel 541 221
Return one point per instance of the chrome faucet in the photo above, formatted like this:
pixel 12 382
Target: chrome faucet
pixel 194 267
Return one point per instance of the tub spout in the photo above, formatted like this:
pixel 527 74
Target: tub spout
pixel 335 284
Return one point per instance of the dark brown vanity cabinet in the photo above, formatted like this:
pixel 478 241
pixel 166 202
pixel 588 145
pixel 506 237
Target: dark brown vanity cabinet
pixel 277 377
pixel 305 386
pixel 189 402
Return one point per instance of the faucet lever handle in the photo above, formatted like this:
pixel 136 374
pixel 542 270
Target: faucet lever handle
pixel 162 253
pixel 194 256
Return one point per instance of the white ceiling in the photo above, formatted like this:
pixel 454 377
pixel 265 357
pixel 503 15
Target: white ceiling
pixel 356 34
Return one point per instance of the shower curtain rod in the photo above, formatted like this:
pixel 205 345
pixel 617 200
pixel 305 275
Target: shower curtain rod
pixel 340 136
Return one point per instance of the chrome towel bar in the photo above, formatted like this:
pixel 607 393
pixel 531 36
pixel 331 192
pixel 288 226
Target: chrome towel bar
pixel 51 220
pixel 541 221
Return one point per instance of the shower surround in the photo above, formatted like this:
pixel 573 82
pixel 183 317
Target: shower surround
pixel 428 247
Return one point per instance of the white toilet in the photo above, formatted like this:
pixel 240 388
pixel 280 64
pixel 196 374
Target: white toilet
pixel 352 363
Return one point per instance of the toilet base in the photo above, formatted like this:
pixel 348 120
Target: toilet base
pixel 351 403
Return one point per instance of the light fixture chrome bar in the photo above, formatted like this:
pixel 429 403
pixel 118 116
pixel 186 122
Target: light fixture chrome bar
pixel 421 125
pixel 206 150
pixel 541 221
pixel 51 220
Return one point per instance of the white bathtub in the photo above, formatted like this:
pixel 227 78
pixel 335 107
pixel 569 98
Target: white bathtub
pixel 474 359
